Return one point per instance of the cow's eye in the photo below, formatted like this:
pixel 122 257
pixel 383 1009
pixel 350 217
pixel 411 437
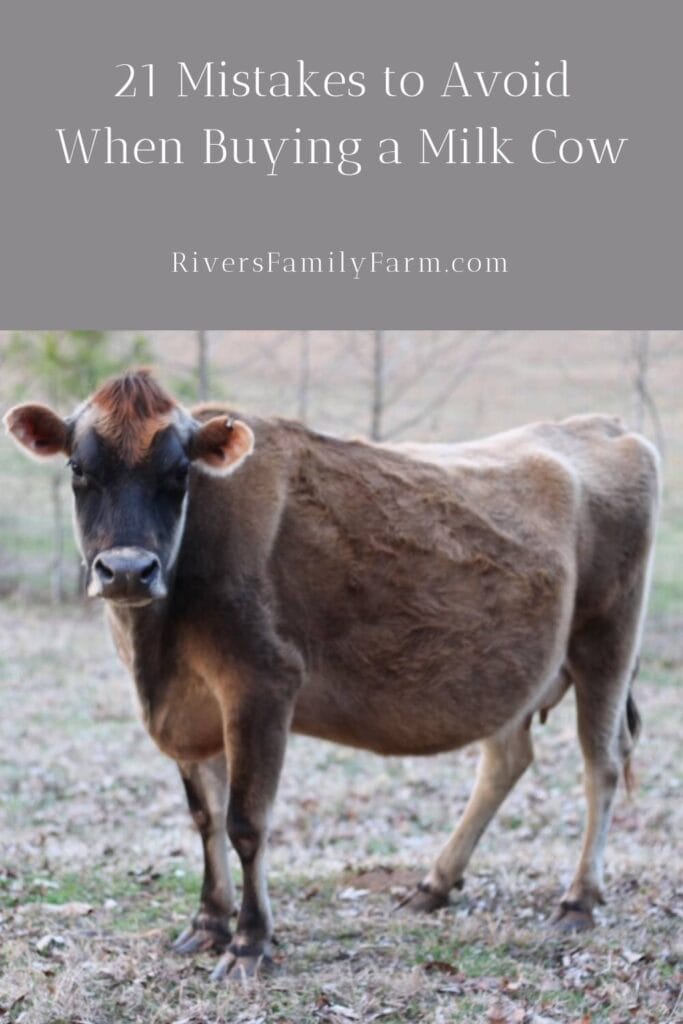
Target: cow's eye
pixel 80 479
pixel 176 480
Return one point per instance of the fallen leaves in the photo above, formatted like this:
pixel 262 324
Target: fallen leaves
pixel 442 966
pixel 505 1012
pixel 73 908
pixel 350 893
pixel 47 943
pixel 345 1012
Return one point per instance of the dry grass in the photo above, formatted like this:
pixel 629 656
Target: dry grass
pixel 100 867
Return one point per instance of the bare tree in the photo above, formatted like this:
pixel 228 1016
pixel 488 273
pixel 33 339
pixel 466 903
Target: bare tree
pixel 644 404
pixel 202 365
pixel 378 385
pixel 416 377
pixel 457 372
pixel 58 572
pixel 304 382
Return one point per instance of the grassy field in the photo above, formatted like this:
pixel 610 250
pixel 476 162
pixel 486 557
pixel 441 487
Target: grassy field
pixel 100 866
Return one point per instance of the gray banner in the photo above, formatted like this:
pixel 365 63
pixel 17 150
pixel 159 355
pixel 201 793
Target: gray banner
pixel 279 242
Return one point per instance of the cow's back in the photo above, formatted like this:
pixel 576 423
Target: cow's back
pixel 611 474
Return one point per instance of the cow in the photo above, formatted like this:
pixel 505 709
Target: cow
pixel 261 578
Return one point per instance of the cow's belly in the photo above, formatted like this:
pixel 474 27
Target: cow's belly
pixel 400 731
pixel 417 725
pixel 423 677
pixel 441 711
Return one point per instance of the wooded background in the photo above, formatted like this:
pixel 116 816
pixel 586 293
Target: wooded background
pixel 386 385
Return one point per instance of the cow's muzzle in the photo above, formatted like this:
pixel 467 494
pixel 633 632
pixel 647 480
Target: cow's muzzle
pixel 127 576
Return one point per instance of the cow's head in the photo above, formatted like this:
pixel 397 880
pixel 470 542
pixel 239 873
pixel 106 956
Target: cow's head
pixel 130 448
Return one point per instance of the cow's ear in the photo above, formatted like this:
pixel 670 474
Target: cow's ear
pixel 221 445
pixel 39 431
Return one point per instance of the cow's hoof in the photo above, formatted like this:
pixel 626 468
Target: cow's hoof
pixel 423 901
pixel 202 935
pixel 572 916
pixel 243 967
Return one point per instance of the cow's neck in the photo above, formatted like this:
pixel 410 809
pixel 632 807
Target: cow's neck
pixel 140 638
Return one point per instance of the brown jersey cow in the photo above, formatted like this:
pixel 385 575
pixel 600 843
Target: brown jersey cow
pixel 260 577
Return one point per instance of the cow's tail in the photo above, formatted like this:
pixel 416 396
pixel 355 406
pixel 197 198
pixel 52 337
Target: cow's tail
pixel 630 731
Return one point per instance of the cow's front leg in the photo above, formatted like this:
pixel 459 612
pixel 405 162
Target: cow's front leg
pixel 206 786
pixel 256 736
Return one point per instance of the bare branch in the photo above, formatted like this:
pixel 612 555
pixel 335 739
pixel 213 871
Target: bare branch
pixel 446 392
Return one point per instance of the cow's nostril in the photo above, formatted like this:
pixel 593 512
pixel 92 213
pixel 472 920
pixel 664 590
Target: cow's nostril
pixel 105 573
pixel 147 571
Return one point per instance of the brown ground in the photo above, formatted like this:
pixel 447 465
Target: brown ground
pixel 100 866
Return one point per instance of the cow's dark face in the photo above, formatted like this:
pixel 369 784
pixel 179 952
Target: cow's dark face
pixel 129 519
pixel 130 450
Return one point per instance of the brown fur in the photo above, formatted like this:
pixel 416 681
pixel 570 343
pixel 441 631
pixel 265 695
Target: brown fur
pixel 131 410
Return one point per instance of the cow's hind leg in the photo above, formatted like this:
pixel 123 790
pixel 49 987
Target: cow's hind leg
pixel 504 759
pixel 206 786
pixel 602 659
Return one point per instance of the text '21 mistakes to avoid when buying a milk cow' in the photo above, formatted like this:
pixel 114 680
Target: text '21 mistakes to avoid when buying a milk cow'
pixel 461 145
